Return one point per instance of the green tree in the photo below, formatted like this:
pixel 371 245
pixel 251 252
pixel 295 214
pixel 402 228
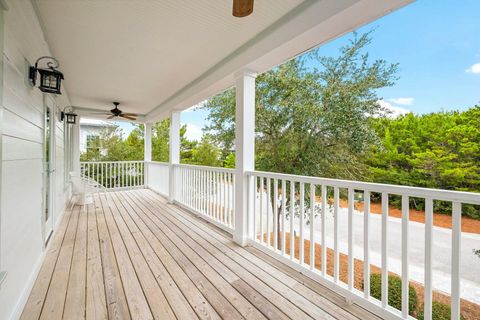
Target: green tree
pixel 205 153
pixel 134 144
pixel 161 143
pixel 436 150
pixel 229 161
pixel 160 140
pixel 112 145
pixel 311 121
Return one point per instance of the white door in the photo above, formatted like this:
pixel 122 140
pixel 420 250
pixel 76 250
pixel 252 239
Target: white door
pixel 49 167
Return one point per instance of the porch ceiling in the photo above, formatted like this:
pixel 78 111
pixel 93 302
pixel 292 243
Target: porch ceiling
pixel 155 56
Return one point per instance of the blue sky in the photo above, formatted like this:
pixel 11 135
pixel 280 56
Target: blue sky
pixel 437 46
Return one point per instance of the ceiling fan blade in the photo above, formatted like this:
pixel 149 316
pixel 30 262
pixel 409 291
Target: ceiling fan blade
pixel 130 114
pixel 128 117
pixel 111 117
pixel 99 113
pixel 242 8
pixel 104 112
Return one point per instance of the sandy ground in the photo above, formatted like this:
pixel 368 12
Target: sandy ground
pixel 440 220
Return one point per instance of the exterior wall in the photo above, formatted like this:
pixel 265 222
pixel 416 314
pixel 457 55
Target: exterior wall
pixel 21 235
pixel 87 131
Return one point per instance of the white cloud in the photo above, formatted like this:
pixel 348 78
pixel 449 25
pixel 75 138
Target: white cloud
pixel 474 68
pixel 392 111
pixel 193 132
pixel 402 101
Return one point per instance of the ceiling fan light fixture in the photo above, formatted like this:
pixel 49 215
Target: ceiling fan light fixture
pixel 115 111
pixel 242 8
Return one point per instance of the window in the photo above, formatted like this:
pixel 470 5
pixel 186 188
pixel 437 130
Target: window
pixel 93 142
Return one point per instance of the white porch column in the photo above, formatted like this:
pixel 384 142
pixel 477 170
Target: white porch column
pixel 147 151
pixel 244 150
pixel 174 154
pixel 76 146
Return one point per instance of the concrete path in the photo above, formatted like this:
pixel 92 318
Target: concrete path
pixel 441 251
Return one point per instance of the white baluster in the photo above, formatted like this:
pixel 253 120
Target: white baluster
pixel 292 219
pixel 324 243
pixel 261 209
pixel 366 245
pixel 336 257
pixel 275 214
pixel 384 249
pixel 227 193
pixel 269 210
pixel 284 213
pixel 224 181
pixel 302 223
pixel 312 226
pixel 350 239
pixel 405 273
pixel 456 241
pixel 255 210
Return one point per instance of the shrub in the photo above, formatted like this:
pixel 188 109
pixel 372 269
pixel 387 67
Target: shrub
pixel 394 292
pixel 440 311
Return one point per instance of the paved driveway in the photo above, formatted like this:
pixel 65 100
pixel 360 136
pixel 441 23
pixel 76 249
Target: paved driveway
pixel 441 251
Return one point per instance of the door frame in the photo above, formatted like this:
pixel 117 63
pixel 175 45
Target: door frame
pixel 48 193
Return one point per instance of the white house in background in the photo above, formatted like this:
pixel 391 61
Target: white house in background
pixel 91 129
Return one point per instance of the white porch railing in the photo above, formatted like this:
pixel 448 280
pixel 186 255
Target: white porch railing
pixel 273 195
pixel 207 191
pixel 115 174
pixel 157 176
pixel 311 210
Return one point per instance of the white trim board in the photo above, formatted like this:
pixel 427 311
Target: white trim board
pixel 311 24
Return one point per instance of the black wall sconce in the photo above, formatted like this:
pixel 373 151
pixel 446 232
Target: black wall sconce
pixel 70 116
pixel 50 78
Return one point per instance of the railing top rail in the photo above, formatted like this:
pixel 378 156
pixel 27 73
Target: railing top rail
pixel 127 161
pixel 217 169
pixel 434 194
pixel 158 162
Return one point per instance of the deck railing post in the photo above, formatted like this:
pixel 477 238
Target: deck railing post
pixel 147 152
pixel 174 155
pixel 244 151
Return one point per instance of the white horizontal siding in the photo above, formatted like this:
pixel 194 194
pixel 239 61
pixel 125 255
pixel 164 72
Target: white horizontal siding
pixel 15 126
pixel 22 166
pixel 19 149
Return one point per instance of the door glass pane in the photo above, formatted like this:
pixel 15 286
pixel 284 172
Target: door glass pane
pixel 47 163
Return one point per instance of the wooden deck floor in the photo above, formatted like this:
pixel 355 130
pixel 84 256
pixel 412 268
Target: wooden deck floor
pixel 133 256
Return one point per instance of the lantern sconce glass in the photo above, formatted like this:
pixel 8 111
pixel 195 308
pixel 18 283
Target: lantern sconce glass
pixel 70 116
pixel 50 77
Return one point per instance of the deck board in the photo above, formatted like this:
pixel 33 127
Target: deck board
pixel 56 295
pixel 96 303
pixel 132 255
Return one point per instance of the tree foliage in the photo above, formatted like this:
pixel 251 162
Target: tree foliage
pixel 437 150
pixel 311 121
pixel 110 146
pixel 326 121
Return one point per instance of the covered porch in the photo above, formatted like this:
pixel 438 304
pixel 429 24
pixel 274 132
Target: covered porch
pixel 132 255
pixel 171 240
